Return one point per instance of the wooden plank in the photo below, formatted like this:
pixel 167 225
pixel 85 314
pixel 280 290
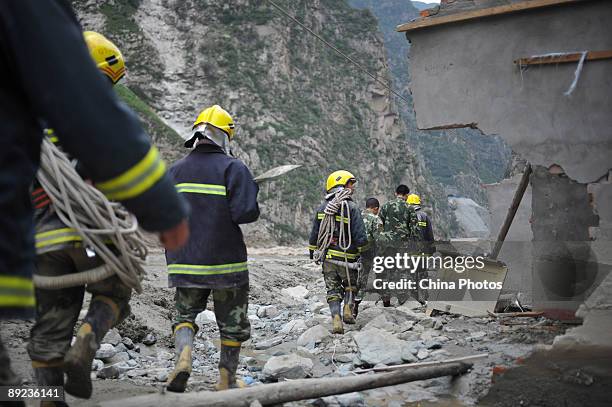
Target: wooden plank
pixel 284 392
pixel 560 59
pixel 527 314
pixel 481 13
pixel 470 358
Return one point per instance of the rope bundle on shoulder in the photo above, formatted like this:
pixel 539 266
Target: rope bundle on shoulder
pixel 337 205
pixel 98 221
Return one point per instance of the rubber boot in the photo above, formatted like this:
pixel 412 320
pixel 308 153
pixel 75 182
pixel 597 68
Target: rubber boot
pixel 228 364
pixel 49 376
pixel 337 327
pixel 356 308
pixel 183 343
pixel 386 301
pixel 8 377
pixel 101 316
pixel 347 310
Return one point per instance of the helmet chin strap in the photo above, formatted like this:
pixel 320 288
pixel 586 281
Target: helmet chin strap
pixel 218 137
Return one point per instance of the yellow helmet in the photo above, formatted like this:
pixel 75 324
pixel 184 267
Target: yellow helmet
pixel 218 117
pixel 340 177
pixel 413 199
pixel 106 55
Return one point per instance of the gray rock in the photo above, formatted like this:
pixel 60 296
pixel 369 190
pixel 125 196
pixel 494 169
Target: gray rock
pixel 268 311
pixel 476 336
pixel 149 340
pixel 375 346
pixel 127 342
pixel 408 356
pixel 162 376
pixel 133 354
pixel 341 400
pixel 108 372
pixel 433 344
pixel 289 366
pixel 267 344
pixel 294 326
pixel 345 357
pixel 121 348
pixel 206 317
pixel 97 365
pixel 119 357
pixel 427 322
pixel 132 363
pixel 299 292
pixel 313 336
pixel 422 354
pixel 106 351
pixel 137 373
pixel 112 337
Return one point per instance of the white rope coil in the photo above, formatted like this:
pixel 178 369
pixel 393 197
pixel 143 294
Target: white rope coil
pixel 98 221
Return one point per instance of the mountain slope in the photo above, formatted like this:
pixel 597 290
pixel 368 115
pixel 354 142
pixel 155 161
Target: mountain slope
pixel 295 100
pixel 459 159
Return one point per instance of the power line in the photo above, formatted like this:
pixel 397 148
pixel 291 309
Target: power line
pixel 351 60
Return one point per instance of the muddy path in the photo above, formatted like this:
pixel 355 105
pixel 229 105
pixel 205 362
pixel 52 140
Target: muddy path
pixel 290 319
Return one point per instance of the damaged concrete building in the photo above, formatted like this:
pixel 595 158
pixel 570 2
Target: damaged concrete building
pixel 537 73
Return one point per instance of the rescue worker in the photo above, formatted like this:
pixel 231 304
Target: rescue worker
pixel 60 251
pixel 425 228
pixel 374 227
pixel 399 235
pixel 339 266
pixel 47 75
pixel 426 239
pixel 223 195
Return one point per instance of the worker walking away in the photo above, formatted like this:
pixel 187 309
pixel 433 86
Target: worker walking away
pixel 374 227
pixel 337 238
pixel 426 239
pixel 60 251
pixel 399 236
pixel 48 75
pixel 223 195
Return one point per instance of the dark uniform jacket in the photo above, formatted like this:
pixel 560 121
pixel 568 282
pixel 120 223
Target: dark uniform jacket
pixel 359 237
pixel 426 231
pixel 223 195
pixel 46 73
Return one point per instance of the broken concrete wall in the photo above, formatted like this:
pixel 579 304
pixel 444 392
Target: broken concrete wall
pixel 516 251
pixel 464 74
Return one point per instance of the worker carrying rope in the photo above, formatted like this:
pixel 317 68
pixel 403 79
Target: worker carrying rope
pixel 337 239
pixel 84 240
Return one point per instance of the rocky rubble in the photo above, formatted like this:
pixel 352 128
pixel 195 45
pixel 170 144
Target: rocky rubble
pixel 291 338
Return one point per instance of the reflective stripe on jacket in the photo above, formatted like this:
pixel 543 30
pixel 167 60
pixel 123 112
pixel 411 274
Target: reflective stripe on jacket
pixel 223 195
pixel 359 237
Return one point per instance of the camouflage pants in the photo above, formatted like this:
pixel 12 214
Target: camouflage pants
pixel 336 281
pixel 230 305
pixel 57 311
pixel 362 278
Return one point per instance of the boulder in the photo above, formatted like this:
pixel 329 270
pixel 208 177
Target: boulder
pixel 377 346
pixel 112 337
pixel 312 336
pixel 298 292
pixel 106 351
pixel 205 317
pixel 289 366
pixel 149 339
pixel 294 326
pixel 267 311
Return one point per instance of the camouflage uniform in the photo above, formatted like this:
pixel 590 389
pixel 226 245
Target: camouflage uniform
pixel 400 235
pixel 230 306
pixel 374 227
pixel 58 310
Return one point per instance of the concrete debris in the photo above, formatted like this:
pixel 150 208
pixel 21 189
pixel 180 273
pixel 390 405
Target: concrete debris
pixel 268 311
pixel 205 317
pixel 294 326
pixel 112 337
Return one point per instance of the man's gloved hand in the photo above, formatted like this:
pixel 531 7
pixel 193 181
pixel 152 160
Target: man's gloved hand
pixel 175 237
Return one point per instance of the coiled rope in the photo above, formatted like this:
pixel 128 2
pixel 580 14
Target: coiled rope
pixel 98 221
pixel 337 205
